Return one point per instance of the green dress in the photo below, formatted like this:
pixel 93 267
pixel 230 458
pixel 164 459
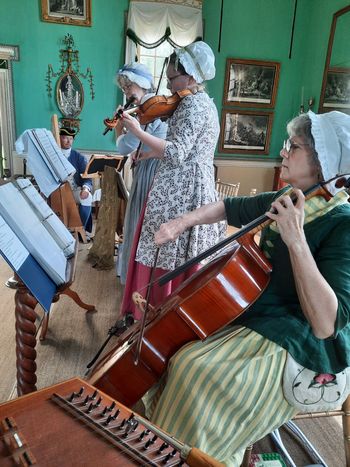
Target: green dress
pixel 225 393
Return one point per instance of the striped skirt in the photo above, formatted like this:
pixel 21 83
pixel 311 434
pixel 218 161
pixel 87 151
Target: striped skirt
pixel 223 394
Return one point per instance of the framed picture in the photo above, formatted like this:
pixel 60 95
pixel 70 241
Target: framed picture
pixel 251 83
pixel 337 90
pixel 75 12
pixel 245 132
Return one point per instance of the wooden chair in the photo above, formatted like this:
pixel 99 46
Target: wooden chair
pixel 226 190
pixel 344 412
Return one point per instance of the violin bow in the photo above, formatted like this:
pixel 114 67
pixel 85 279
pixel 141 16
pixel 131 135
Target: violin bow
pixel 343 180
pixel 137 155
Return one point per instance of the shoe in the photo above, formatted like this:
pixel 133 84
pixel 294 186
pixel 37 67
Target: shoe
pixel 11 283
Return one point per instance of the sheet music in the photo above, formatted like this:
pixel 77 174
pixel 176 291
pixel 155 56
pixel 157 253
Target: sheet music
pixel 11 247
pixel 19 215
pixel 44 159
pixel 53 224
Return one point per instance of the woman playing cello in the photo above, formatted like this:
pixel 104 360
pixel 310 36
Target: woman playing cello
pixel 185 179
pixel 225 393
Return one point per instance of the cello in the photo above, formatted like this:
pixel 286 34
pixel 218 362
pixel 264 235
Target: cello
pixel 229 284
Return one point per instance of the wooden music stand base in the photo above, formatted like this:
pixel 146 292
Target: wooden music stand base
pixel 25 317
pixel 75 297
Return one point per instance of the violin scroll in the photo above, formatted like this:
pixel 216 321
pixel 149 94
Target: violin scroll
pixel 111 123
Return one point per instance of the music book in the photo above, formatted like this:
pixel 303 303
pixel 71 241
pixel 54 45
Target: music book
pixel 37 227
pixel 24 264
pixel 98 162
pixel 45 159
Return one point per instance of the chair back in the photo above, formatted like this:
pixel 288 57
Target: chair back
pixel 226 190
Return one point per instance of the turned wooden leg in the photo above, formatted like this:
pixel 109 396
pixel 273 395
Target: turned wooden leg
pixel 25 340
pixel 44 326
pixel 74 296
pixel 346 429
pixel 247 456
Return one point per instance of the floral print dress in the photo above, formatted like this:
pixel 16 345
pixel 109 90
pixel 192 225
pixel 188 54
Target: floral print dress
pixel 184 182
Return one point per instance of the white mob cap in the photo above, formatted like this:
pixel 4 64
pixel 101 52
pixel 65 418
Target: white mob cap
pixel 198 60
pixel 331 132
pixel 138 74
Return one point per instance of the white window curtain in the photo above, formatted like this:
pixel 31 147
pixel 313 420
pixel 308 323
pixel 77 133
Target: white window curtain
pixel 153 22
pixel 8 53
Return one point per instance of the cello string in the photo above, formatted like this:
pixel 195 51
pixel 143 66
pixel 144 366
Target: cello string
pixel 145 313
pixel 246 229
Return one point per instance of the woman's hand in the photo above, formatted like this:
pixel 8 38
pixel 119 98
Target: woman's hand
pixel 131 124
pixel 317 299
pixel 170 231
pixel 84 193
pixel 289 217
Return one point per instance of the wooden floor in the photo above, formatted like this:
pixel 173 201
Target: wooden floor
pixel 74 337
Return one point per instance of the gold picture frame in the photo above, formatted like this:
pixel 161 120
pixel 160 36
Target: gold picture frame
pixel 76 13
pixel 245 132
pixel 251 83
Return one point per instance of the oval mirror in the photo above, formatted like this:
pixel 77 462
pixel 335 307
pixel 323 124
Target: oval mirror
pixel 335 93
pixel 69 95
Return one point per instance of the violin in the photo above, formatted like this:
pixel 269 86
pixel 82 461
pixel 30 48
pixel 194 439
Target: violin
pixel 213 297
pixel 155 107
pixel 112 123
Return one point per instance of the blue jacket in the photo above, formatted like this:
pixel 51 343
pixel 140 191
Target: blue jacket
pixel 79 162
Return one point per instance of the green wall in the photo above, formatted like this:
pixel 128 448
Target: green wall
pixel 261 29
pixel 101 47
pixel 256 29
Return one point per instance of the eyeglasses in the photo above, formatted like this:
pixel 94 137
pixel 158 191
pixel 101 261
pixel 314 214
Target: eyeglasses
pixel 289 145
pixel 171 79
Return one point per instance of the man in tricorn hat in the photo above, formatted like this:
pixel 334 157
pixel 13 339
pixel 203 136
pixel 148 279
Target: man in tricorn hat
pixel 81 187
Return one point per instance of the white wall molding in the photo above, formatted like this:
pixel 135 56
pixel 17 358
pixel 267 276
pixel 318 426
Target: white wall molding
pixel 245 163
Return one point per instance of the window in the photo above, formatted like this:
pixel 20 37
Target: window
pixel 8 54
pixel 154 60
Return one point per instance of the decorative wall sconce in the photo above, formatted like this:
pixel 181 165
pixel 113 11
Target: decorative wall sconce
pixel 69 89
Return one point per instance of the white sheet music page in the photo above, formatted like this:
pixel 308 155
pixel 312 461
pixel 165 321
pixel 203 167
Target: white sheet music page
pixel 44 159
pixel 11 247
pixel 26 224
pixel 49 219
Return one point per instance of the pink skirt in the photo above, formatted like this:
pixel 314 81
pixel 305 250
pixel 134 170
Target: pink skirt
pixel 139 276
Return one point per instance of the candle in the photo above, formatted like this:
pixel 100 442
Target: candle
pixel 60 97
pixel 76 99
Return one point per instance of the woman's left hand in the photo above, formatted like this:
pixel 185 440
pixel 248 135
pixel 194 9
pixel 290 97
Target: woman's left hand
pixel 131 124
pixel 289 217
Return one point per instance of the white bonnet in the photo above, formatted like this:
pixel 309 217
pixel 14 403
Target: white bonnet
pixel 331 132
pixel 138 74
pixel 198 60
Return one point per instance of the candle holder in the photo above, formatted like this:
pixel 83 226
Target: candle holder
pixel 69 88
pixel 311 103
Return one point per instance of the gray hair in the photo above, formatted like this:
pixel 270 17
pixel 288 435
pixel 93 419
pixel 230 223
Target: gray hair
pixel 300 126
pixel 123 81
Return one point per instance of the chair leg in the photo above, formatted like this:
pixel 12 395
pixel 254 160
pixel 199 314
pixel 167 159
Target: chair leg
pixel 44 327
pixel 346 429
pixel 247 456
pixel 308 446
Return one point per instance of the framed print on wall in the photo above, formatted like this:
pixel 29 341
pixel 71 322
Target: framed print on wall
pixel 337 90
pixel 251 83
pixel 77 12
pixel 245 132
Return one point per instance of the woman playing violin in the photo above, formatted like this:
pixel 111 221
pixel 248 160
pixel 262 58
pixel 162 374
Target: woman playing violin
pixel 185 179
pixel 225 393
pixel 136 83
